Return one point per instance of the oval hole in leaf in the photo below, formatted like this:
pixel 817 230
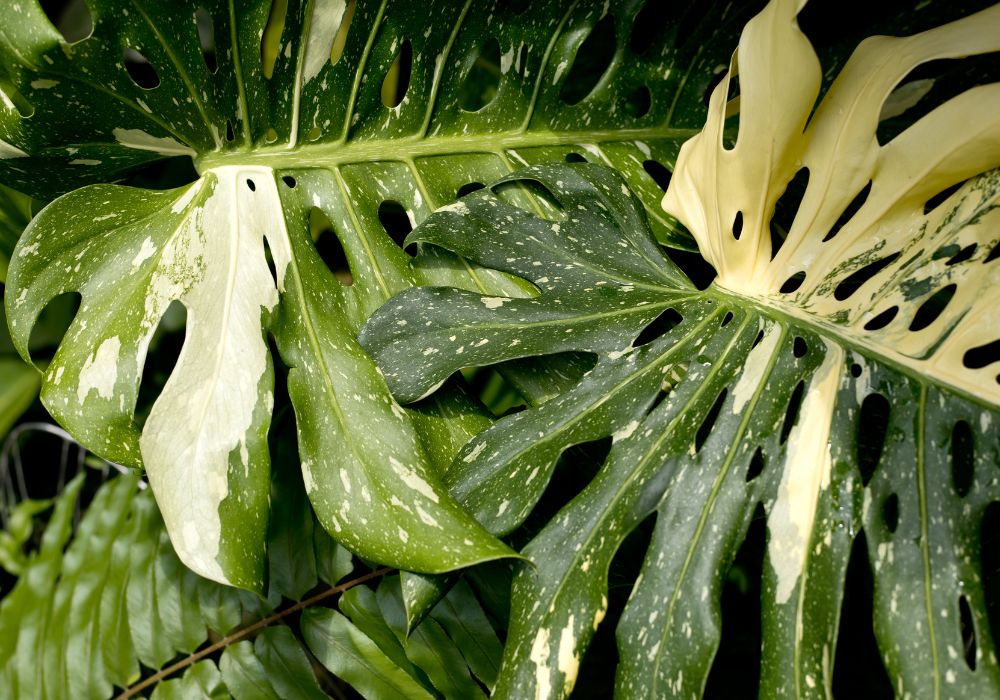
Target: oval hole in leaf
pixel 858 670
pixel 989 553
pixel 882 320
pixel 270 136
pixel 269 258
pixel 939 199
pixel 288 180
pixel 792 411
pixel 397 78
pixel 662 324
pixel 963 255
pixel 469 188
pixel 757 339
pixel 737 662
pixel 859 201
pixel 726 319
pixel 786 208
pixel 707 424
pixel 799 347
pixel 873 420
pixel 659 172
pixel 71 18
pixel 396 223
pixel 932 308
pixel 639 102
pixel 230 132
pixel 591 62
pixel 890 512
pixel 962 458
pixel 982 355
pixel 574 157
pixel 856 370
pixel 340 41
pixel 251 185
pixel 994 254
pixel 53 322
pixel 480 86
pixel 738 225
pixel 968 632
pixel 850 284
pixel 756 465
pixel 793 283
pixel 329 247
pixel 270 40
pixel 531 196
pixel 206 38
pixel 164 351
pixel 140 69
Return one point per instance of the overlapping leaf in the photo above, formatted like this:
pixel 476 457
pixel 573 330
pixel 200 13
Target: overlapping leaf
pixel 284 108
pixel 752 397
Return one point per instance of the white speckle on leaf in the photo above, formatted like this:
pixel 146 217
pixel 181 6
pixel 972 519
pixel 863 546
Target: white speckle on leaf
pixel 100 372
pixel 146 251
pixel 493 302
pixel 43 84
pixel 625 431
pixel 141 141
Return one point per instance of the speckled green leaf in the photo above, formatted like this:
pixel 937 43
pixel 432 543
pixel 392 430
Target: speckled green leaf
pixel 689 413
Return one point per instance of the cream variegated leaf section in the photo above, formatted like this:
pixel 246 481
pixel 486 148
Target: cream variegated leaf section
pixel 713 185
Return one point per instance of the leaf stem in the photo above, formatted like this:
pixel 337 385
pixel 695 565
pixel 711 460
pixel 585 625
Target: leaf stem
pixel 247 631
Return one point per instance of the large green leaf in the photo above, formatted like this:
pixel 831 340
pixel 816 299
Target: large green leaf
pixel 286 115
pixel 754 395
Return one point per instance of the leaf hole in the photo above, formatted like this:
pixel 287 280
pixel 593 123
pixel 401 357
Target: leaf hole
pixel 270 136
pixel 962 458
pixel 71 18
pixel 592 61
pixel 890 513
pixel 140 69
pixel 853 282
pixel 756 341
pixel 340 40
pixel 726 319
pixel 738 225
pixel 793 283
pixel 994 254
pixel 165 349
pixel 856 370
pixel 855 205
pixel 858 670
pixel 206 38
pixel 873 421
pixel 647 28
pixel 230 132
pixel 932 308
pixel 756 466
pixel 251 185
pixel 968 632
pixel 469 188
pixel 792 411
pixel 659 172
pixel 939 199
pixel 289 181
pixel 574 157
pixel 661 325
pixel 982 355
pixel 882 320
pixel 397 78
pixel 737 663
pixel 963 255
pixel 799 347
pixel 329 246
pixel 270 39
pixel 51 325
pixel 638 102
pixel 396 223
pixel 709 422
pixel 269 258
pixel 483 80
pixel 786 208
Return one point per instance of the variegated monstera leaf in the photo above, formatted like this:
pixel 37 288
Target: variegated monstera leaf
pixel 844 374
pixel 292 110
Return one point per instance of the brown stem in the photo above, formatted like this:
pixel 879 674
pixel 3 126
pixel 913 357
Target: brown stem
pixel 245 632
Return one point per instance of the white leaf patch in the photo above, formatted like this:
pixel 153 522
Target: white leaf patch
pixel 207 407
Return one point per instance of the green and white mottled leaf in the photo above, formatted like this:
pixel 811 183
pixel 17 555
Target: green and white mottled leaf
pixel 754 396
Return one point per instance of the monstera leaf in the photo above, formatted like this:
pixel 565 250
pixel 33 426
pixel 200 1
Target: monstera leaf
pixel 298 112
pixel 842 374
